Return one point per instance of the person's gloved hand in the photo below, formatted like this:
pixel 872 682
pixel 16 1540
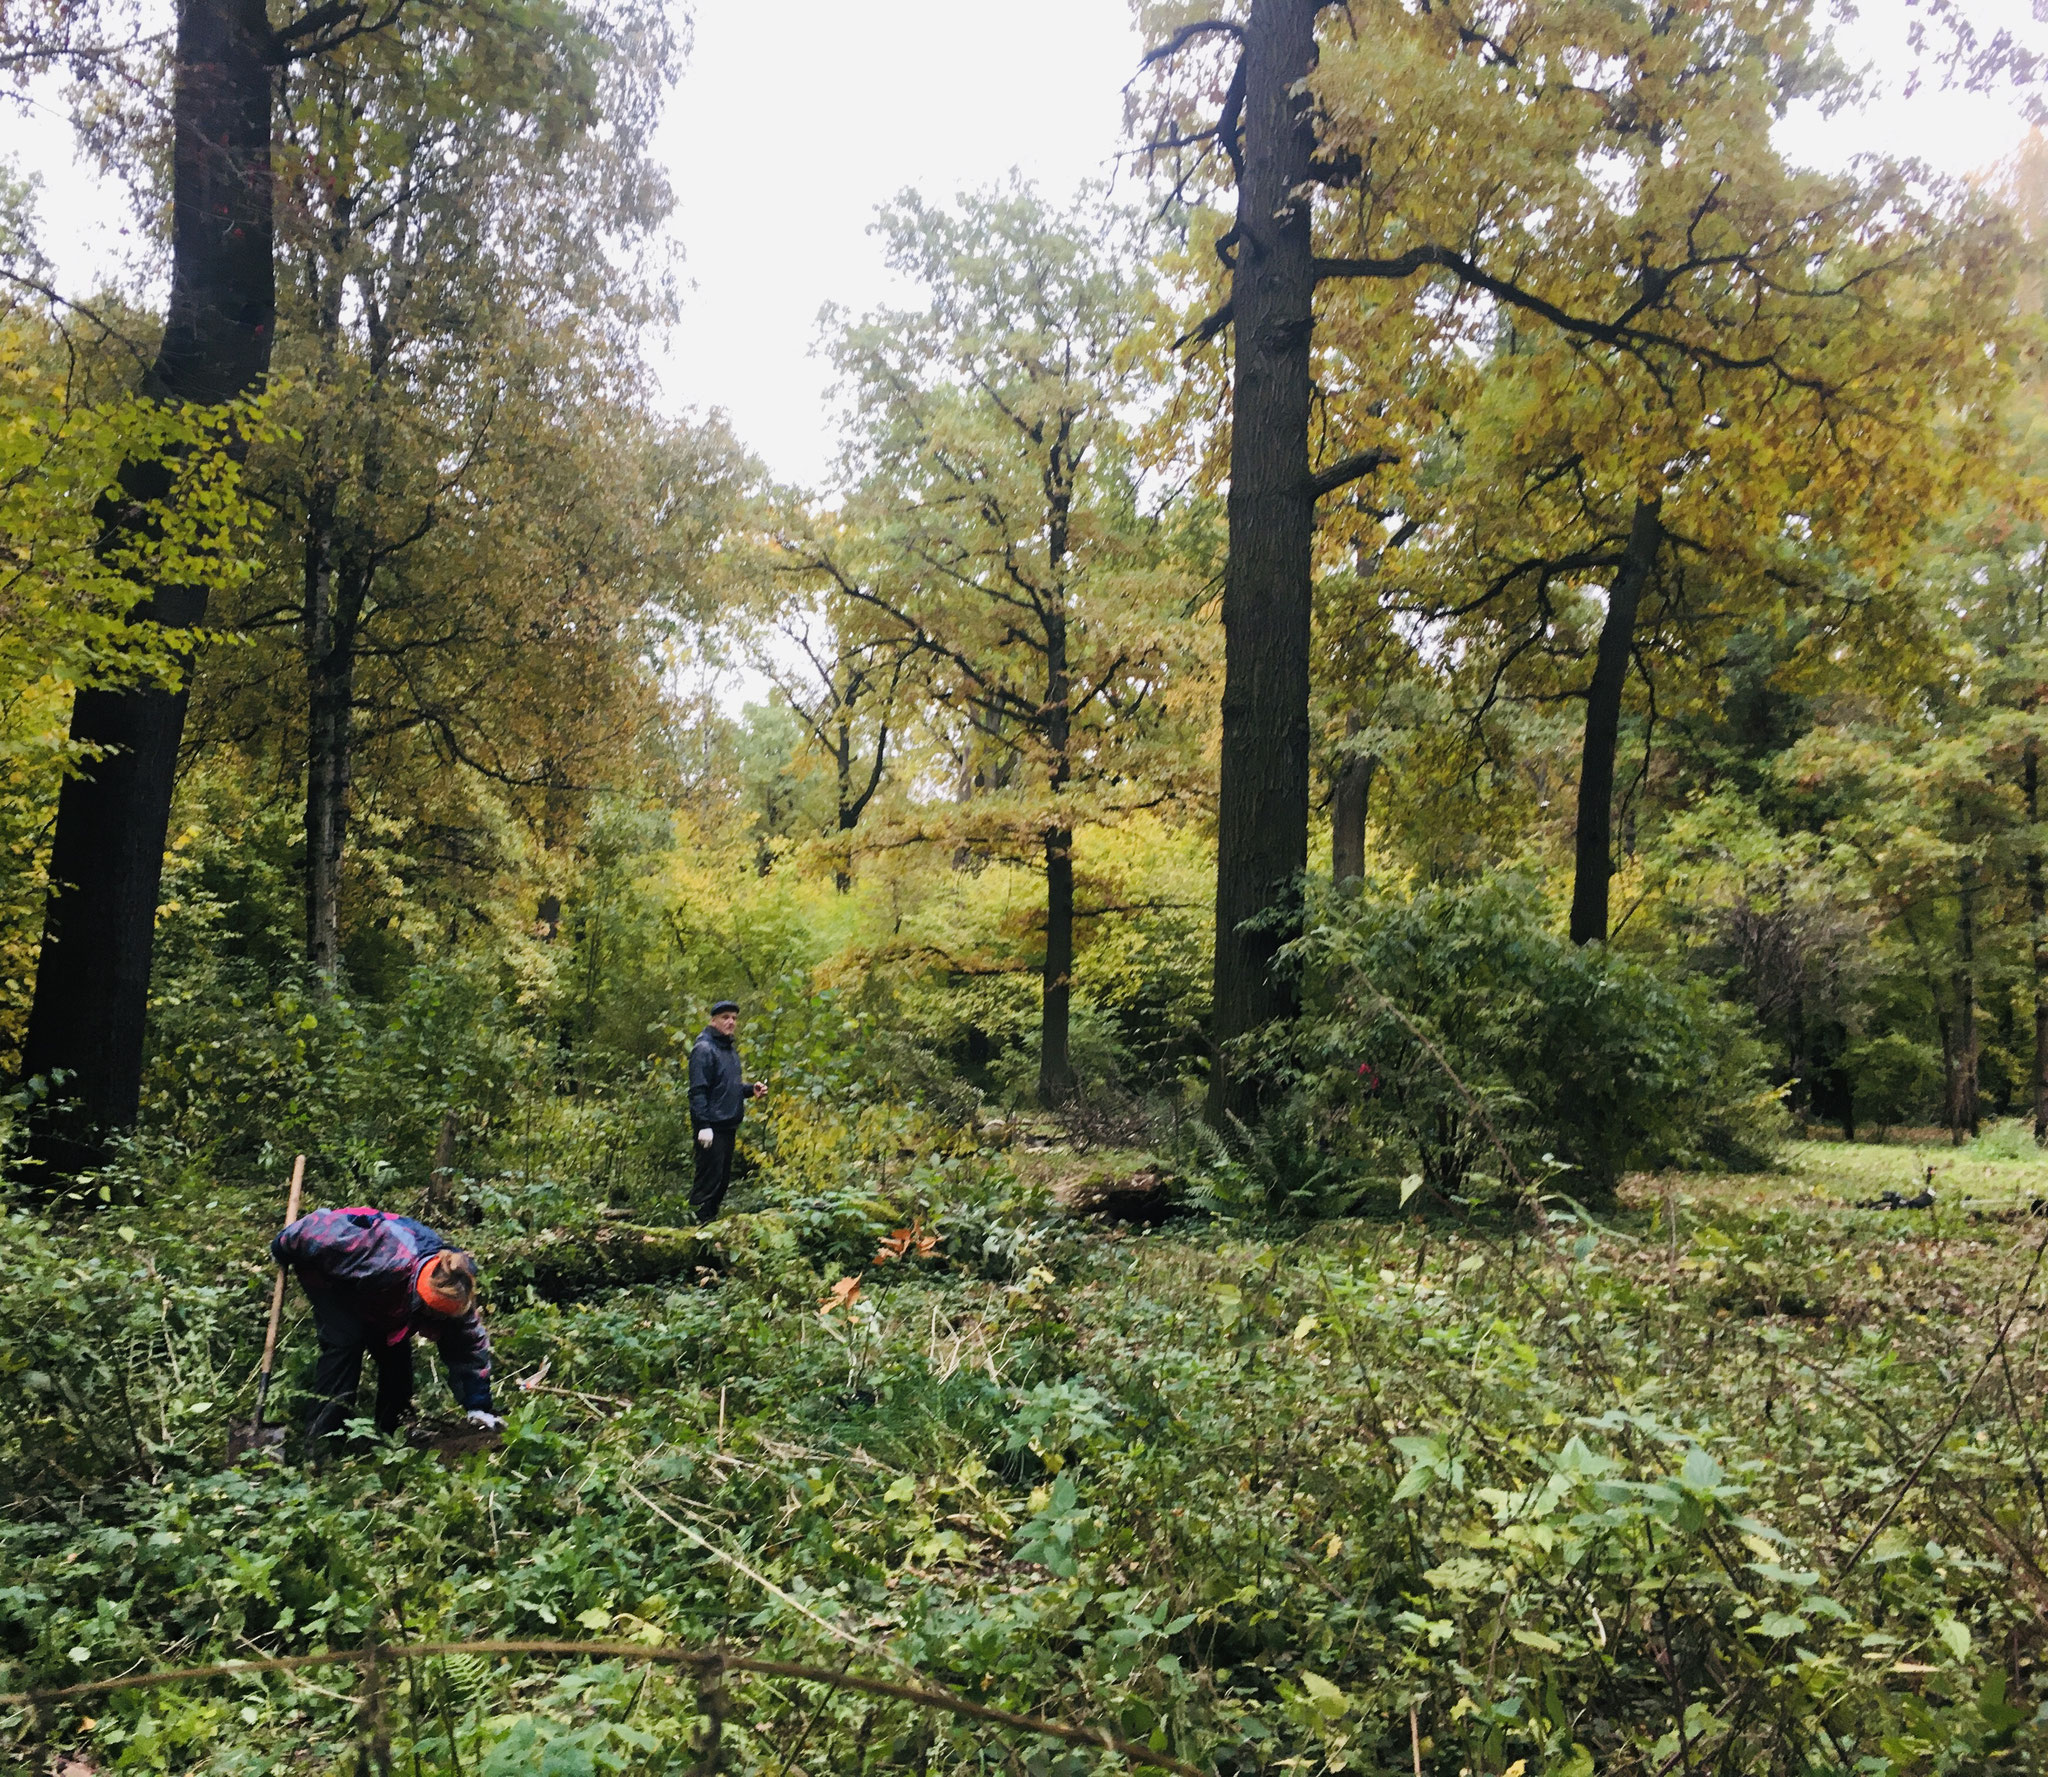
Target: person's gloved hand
pixel 703 1138
pixel 487 1421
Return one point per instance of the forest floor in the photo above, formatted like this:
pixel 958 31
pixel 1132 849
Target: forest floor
pixel 1999 1172
pixel 1735 1477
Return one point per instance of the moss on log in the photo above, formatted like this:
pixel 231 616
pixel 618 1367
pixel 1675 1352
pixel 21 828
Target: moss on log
pixel 567 1264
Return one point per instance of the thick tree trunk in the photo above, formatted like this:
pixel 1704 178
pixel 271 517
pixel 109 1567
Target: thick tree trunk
pixel 2037 933
pixel 1962 1106
pixel 1595 860
pixel 1262 808
pixel 89 1018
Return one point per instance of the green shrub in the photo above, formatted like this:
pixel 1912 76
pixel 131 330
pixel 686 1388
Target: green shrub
pixel 119 1354
pixel 1457 1037
pixel 1896 1079
pixel 2012 1138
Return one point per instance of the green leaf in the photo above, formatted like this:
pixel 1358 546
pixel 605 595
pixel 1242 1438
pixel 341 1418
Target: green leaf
pixel 1229 1303
pixel 1779 1625
pixel 1464 1574
pixel 1326 1698
pixel 1416 1480
pixel 1803 1578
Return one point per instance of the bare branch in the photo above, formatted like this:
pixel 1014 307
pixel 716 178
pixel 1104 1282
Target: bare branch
pixel 1207 328
pixel 1187 34
pixel 1349 469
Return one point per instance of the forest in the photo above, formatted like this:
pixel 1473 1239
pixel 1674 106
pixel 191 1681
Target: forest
pixel 1379 846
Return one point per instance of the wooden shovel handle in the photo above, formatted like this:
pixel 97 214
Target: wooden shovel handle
pixel 291 1215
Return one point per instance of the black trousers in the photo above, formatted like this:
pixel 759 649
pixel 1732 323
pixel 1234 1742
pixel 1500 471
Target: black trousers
pixel 714 1172
pixel 341 1371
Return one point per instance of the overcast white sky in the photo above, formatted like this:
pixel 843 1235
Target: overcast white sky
pixel 796 119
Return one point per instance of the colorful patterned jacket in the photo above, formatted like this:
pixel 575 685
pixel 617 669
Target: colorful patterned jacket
pixel 359 1267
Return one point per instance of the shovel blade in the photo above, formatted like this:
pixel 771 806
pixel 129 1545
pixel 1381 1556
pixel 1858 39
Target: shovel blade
pixel 246 1437
pixel 451 1443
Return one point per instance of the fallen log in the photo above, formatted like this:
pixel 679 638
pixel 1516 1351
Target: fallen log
pixel 568 1264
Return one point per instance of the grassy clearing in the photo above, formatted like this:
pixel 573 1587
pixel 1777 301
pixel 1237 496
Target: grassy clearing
pixel 1764 1496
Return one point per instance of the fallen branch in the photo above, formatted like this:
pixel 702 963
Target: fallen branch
pixel 694 1658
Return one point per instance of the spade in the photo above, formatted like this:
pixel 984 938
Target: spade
pixel 253 1435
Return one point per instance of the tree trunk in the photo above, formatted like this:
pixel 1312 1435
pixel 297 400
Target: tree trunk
pixel 1350 801
pixel 1262 807
pixel 2037 923
pixel 1595 861
pixel 91 1004
pixel 329 645
pixel 849 816
pixel 1055 1059
pixel 441 1176
pixel 328 651
pixel 1963 1113
pixel 1795 1054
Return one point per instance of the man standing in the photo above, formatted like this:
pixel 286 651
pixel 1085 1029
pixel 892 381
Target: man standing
pixel 375 1280
pixel 718 1097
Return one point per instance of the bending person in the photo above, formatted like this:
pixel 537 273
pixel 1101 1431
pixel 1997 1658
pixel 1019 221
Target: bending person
pixel 375 1280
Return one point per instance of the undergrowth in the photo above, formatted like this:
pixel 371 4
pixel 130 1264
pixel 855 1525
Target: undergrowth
pixel 1761 1493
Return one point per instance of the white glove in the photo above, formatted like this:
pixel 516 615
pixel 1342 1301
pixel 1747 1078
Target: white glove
pixel 703 1138
pixel 487 1421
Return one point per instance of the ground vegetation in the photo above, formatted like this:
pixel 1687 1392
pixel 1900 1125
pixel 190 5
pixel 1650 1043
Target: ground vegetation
pixel 1557 1291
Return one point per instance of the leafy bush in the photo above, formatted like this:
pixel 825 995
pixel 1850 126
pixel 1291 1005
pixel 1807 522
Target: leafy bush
pixel 1897 1080
pixel 1100 1061
pixel 116 1355
pixel 2010 1139
pixel 246 1066
pixel 1442 1029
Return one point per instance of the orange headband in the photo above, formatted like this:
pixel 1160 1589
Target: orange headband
pixel 447 1282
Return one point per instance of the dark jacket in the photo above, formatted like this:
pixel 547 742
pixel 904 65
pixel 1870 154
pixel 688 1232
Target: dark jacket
pixel 359 1267
pixel 718 1094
